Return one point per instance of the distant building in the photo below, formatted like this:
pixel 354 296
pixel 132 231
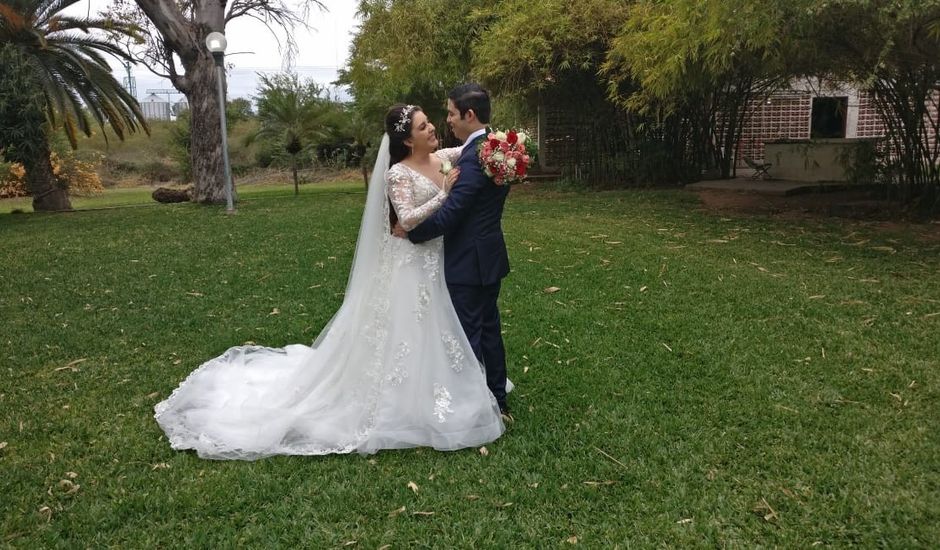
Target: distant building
pixel 155 107
pixel 179 107
pixel 804 111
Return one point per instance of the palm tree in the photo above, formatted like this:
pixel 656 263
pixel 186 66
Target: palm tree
pixel 294 116
pixel 55 75
pixel 363 133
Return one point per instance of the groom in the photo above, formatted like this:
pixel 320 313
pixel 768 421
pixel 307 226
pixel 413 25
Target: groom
pixel 475 259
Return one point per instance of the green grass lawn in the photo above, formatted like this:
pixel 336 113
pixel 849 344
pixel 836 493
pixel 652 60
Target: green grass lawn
pixel 696 381
pixel 141 196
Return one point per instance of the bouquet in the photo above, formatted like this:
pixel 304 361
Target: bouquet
pixel 505 156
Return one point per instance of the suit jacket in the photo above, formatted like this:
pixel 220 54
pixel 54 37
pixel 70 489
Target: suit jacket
pixel 469 220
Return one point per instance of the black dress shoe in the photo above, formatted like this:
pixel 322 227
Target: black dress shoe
pixel 505 414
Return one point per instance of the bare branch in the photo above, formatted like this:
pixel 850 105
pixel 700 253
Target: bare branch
pixel 276 13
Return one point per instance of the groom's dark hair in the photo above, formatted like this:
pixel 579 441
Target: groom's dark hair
pixel 474 97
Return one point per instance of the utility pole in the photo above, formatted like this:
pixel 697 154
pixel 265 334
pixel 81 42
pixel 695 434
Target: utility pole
pixel 130 83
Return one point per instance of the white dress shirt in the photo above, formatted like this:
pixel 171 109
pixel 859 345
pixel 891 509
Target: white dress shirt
pixel 471 137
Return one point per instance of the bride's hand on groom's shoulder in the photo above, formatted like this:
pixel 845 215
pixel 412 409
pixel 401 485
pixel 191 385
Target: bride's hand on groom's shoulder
pixel 399 231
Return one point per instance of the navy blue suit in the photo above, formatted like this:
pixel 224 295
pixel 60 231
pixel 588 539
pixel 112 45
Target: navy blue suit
pixel 475 260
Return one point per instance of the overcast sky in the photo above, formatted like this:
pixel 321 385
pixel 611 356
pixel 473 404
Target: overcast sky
pixel 323 49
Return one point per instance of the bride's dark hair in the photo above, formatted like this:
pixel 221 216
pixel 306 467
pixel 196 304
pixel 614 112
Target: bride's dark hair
pixel 398 127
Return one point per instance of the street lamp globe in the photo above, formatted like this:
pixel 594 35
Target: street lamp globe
pixel 216 42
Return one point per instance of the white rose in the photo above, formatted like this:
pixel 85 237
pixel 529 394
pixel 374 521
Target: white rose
pixel 522 137
pixel 511 163
pixel 446 167
pixel 501 136
pixel 499 156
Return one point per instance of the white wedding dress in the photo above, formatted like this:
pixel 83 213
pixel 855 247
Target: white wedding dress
pixel 392 369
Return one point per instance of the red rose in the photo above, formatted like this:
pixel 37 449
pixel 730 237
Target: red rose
pixel 494 143
pixel 512 137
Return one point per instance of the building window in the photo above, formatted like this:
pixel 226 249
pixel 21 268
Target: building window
pixel 829 117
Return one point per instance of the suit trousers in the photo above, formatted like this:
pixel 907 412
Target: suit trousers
pixel 479 315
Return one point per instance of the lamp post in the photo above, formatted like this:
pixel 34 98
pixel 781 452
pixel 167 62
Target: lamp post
pixel 216 43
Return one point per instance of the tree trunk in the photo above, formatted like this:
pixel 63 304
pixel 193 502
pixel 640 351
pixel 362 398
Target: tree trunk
pixel 293 167
pixel 205 128
pixel 41 183
pixel 365 176
pixel 186 39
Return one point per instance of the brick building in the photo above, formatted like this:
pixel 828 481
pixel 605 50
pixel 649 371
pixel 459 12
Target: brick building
pixel 805 111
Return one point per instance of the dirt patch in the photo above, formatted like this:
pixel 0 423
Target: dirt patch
pixel 853 205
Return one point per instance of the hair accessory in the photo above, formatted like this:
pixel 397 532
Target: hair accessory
pixel 405 117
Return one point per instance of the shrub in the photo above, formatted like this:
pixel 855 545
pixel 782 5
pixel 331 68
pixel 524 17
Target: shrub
pixel 157 171
pixel 79 176
pixel 12 182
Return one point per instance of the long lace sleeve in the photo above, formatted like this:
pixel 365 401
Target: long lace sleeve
pixel 451 154
pixel 401 193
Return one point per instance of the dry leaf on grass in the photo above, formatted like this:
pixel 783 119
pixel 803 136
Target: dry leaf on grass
pixel 3 445
pixel 425 514
pixel 68 486
pixel 46 512
pixel 684 521
pixel 551 290
pixel 572 540
pixel 394 513
pixel 413 486
pixel 351 543
pixel 484 451
pixel 764 509
pixel 71 365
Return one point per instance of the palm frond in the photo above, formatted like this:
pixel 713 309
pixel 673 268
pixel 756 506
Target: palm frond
pixel 69 61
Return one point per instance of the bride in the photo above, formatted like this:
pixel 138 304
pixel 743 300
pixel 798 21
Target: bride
pixel 392 369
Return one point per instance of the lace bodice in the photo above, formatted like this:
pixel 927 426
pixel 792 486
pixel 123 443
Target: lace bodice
pixel 413 195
